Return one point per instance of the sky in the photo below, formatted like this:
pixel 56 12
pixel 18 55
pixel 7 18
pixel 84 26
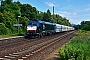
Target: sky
pixel 74 10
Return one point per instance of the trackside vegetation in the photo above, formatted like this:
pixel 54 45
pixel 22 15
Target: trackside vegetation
pixel 78 48
pixel 12 13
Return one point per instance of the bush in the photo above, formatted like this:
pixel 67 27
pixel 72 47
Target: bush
pixel 73 52
pixel 82 31
pixel 3 29
pixel 78 48
pixel 86 27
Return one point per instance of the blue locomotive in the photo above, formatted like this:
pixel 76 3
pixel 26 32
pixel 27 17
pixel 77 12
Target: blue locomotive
pixel 39 28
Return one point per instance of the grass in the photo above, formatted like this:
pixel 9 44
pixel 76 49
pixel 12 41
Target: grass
pixel 5 36
pixel 12 35
pixel 78 48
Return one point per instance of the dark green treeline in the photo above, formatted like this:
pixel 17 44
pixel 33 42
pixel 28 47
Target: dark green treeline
pixel 14 12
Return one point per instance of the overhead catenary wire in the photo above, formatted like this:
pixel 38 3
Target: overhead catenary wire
pixel 47 7
pixel 43 4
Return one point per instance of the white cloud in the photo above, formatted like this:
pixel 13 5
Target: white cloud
pixel 50 4
pixel 87 14
pixel 84 15
pixel 67 14
pixel 87 20
pixel 78 21
pixel 87 9
pixel 73 17
pixel 75 21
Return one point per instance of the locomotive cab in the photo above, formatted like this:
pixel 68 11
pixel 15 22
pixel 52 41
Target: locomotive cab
pixel 33 28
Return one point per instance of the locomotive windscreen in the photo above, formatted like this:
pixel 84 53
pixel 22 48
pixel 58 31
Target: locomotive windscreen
pixel 32 23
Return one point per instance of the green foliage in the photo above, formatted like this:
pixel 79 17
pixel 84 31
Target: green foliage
pixel 8 1
pixel 3 30
pixel 52 21
pixel 61 20
pixel 23 21
pixel 9 12
pixel 48 15
pixel 78 48
pixel 6 36
pixel 77 27
pixel 40 15
pixel 82 31
pixel 7 18
pixel 74 51
pixel 11 7
pixel 28 11
pixel 85 25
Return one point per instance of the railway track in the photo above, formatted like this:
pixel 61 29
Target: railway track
pixel 23 44
pixel 34 49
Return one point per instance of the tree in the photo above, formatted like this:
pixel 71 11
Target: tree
pixel 11 7
pixel 77 27
pixel 48 15
pixel 9 12
pixel 8 1
pixel 57 18
pixel 8 19
pixel 85 25
pixel 28 11
pixel 23 20
pixel 40 15
pixel 3 30
pixel 3 3
pixel 45 16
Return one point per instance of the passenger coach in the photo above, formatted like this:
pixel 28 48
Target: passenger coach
pixel 39 28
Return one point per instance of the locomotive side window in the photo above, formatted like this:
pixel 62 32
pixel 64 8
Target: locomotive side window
pixel 43 26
